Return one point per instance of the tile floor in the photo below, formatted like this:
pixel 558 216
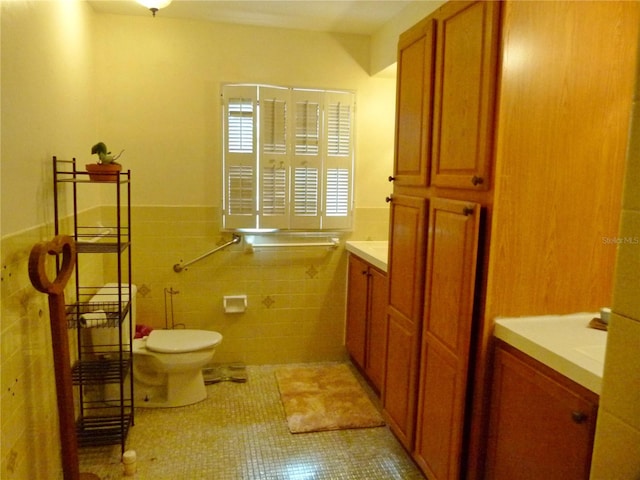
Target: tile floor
pixel 240 433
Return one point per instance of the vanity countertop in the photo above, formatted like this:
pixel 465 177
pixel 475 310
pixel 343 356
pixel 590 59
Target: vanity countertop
pixel 374 252
pixel 562 342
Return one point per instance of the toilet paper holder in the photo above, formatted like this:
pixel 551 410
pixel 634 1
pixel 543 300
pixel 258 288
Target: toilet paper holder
pixel 235 303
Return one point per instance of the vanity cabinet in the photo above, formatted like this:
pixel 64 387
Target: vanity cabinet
pixel 366 318
pixel 542 424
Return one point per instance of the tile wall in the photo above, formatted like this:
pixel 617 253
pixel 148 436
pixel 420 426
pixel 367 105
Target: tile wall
pixel 617 447
pixel 296 310
pixel 296 296
pixel 28 395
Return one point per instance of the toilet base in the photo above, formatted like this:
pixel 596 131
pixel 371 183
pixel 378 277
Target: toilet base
pixel 185 388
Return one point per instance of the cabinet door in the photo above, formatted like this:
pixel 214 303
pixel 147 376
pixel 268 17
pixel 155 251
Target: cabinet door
pixel 541 427
pixel 406 290
pixel 376 327
pixel 414 103
pixel 356 330
pixel 446 335
pixel 467 45
pixel 401 375
pixel 408 217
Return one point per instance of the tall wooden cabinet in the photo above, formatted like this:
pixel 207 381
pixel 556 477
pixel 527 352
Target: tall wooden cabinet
pixel 440 182
pixel 508 166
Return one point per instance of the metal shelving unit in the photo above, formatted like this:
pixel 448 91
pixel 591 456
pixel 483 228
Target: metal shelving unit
pixel 102 373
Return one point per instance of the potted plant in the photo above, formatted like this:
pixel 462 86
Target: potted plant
pixel 107 169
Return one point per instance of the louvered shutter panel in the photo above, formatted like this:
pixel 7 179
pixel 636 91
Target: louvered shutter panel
pixel 307 160
pixel 240 122
pixel 274 157
pixel 338 165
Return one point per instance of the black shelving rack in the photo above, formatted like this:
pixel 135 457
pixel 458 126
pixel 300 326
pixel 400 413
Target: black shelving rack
pixel 102 418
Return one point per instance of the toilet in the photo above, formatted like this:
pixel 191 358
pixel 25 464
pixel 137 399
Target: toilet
pixel 167 364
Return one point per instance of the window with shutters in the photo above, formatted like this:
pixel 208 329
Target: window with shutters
pixel 288 158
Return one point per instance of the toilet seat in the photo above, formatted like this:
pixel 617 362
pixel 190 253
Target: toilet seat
pixel 181 341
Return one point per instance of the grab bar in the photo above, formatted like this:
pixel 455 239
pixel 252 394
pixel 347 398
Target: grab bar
pixel 178 267
pixel 333 243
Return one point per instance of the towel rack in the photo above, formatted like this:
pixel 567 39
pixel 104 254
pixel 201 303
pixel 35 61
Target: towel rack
pixel 178 267
pixel 333 243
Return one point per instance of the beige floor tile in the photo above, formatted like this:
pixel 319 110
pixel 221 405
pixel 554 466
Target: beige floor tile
pixel 240 433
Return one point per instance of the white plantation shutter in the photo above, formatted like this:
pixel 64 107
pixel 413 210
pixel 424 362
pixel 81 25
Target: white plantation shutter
pixel 338 125
pixel 306 192
pixel 240 127
pixel 338 165
pixel 288 158
pixel 307 161
pixel 274 157
pixel 307 122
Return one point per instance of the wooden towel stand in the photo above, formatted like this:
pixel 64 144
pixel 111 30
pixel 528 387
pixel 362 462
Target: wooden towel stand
pixel 61 244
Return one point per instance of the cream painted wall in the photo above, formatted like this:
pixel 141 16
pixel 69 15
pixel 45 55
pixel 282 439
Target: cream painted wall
pixel 47 106
pixel 158 87
pixel 47 102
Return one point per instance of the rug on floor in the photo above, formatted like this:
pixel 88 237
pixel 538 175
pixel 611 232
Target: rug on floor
pixel 324 397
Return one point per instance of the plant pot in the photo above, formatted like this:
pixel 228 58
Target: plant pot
pixel 103 172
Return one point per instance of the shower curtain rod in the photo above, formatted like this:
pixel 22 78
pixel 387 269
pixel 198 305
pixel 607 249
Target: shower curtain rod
pixel 178 267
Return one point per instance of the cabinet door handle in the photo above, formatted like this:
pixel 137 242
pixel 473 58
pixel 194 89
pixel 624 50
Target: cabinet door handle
pixel 476 180
pixel 364 272
pixel 391 178
pixel 466 211
pixel 388 199
pixel 579 417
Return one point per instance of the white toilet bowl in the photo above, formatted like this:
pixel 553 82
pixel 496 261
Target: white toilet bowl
pixel 167 367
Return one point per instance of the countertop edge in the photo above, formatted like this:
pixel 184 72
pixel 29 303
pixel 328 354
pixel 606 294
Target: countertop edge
pixel 561 364
pixel 357 248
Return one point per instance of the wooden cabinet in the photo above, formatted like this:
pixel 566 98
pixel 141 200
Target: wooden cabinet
pixel 542 424
pixel 414 102
pixel 554 132
pixel 366 330
pixel 445 100
pixel 467 48
pixel 404 310
pixel 446 335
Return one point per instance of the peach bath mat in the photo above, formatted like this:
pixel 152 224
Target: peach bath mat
pixel 325 397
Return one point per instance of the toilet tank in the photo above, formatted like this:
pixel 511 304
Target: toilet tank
pixel 109 293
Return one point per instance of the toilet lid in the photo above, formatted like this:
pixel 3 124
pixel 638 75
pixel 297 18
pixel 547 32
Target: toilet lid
pixel 181 341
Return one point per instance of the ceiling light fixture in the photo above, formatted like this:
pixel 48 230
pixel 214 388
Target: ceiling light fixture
pixel 154 5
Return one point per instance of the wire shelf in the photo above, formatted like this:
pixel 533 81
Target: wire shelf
pixel 115 312
pixel 101 371
pixel 102 247
pixel 103 430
